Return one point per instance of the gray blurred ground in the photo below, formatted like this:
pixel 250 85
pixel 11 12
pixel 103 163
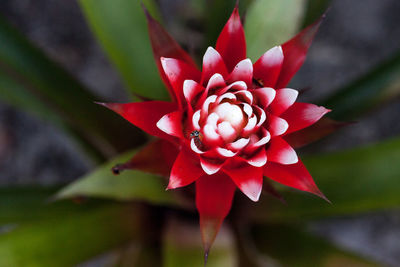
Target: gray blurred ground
pixel 355 36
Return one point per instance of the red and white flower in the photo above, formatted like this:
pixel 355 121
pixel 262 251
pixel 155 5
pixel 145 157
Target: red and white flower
pixel 230 124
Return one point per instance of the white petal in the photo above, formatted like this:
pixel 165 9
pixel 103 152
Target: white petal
pixel 250 124
pixel 272 57
pixel 210 133
pixel 216 81
pixel 196 120
pixel 239 144
pixel 212 120
pixel 190 89
pixel 209 167
pixel 194 147
pixel 227 132
pixel 226 96
pixel 225 152
pixel 246 95
pixel 207 102
pixel 265 139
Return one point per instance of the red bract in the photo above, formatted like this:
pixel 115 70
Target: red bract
pixel 230 124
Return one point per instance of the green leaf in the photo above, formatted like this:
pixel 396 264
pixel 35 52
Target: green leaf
pixel 120 26
pixel 270 23
pixel 291 247
pixel 29 79
pixel 129 185
pixel 70 239
pixel 378 86
pixel 358 180
pixel 183 247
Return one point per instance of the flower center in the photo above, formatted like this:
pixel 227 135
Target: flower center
pixel 230 113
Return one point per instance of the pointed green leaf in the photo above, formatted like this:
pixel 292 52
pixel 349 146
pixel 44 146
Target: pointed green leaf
pixel 29 79
pixel 129 185
pixel 378 86
pixel 270 23
pixel 359 180
pixel 292 247
pixel 120 26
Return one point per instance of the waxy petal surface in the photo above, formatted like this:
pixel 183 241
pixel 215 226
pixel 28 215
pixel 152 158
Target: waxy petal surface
pixel 144 115
pixel 243 71
pixel 156 157
pixel 280 151
pixel 259 159
pixel 186 169
pixel 231 43
pixel 295 175
pixel 177 72
pixel 212 63
pixel 171 124
pixel 276 126
pixel 210 166
pixel 265 95
pixel 248 178
pixel 302 115
pixel 164 45
pixel 284 98
pixel 214 194
pixel 268 67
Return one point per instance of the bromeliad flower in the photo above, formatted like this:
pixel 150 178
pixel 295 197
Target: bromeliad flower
pixel 228 125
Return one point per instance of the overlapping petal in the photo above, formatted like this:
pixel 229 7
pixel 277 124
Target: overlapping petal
pixel 171 124
pixel 294 175
pixel 144 115
pixel 231 43
pixel 284 98
pixel 155 157
pixel 186 169
pixel 248 178
pixel 212 63
pixel 164 45
pixel 302 115
pixel 177 72
pixel 268 67
pixel 280 151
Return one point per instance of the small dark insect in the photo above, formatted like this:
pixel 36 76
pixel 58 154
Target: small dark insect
pixel 197 136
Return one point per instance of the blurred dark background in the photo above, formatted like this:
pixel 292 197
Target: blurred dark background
pixel 355 36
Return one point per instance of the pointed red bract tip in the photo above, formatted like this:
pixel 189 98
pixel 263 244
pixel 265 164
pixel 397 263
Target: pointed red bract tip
pixel 116 107
pixel 214 195
pixel 209 230
pixel 295 51
pixel 321 195
pixel 231 43
pixel 100 103
pixel 163 45
pixel 206 257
